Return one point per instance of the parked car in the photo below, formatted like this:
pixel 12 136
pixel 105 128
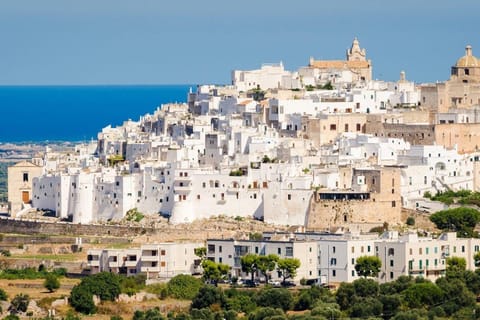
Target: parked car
pixel 274 283
pixel 250 284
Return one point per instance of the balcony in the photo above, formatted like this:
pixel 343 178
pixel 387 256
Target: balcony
pixel 129 263
pixel 150 258
pixel 93 263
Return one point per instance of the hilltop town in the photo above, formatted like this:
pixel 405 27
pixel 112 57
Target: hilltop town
pixel 316 156
pixel 278 146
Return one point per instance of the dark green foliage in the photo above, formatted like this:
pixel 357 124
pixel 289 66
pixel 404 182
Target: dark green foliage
pixel 30 273
pixel 410 315
pixel 424 294
pixel 456 295
pixel 410 221
pixel 266 313
pixel 207 296
pixel 11 317
pixel 81 299
pixel 275 298
pixel 3 295
pixel 105 285
pixel 345 294
pixel 461 197
pixel 462 220
pixel 366 307
pixel 236 173
pixel 368 266
pixel 116 318
pixel 51 282
pixel 240 300
pixel 150 314
pixel 132 285
pixel 19 303
pixel 366 287
pixel 327 310
pixel 202 314
pixel 390 303
pixel 306 299
pixel 184 287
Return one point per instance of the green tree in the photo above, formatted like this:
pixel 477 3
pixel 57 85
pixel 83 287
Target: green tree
pixel 424 294
pixel 366 307
pixel 366 287
pixel 456 266
pixel 212 271
pixel 200 252
pixel 345 294
pixel 81 300
pixel 207 296
pixel 368 266
pixel 20 303
pixel 463 220
pixel 51 282
pixel 249 264
pixel 184 287
pixel 288 267
pixel 267 264
pixel 275 298
pixel 150 314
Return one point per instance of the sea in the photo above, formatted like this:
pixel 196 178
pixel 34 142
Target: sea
pixel 77 113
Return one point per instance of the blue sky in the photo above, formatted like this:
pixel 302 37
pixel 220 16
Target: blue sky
pixel 171 42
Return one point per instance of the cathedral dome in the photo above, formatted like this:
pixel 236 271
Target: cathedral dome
pixel 468 60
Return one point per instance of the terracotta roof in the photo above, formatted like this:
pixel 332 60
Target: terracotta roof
pixel 339 64
pixel 24 163
pixel 245 102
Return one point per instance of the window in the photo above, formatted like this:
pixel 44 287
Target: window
pixel 219 248
pixel 25 177
pixel 420 251
pixel 279 250
pixel 353 273
pixel 220 260
pixel 333 261
pixel 393 204
pixel 391 275
pixel 333 249
pixel 391 251
pixel 353 260
pixel 359 127
pixel 476 248
pixel 353 249
pixel 162 264
pixel 256 250
pixel 334 273
pixel 333 127
pixel 211 248
pixel 289 251
pixel 368 248
pixel 391 263
pixel 463 248
pixel 289 197
pixel 162 252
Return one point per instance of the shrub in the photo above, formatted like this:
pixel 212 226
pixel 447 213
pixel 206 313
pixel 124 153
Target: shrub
pixel 184 287
pixel 411 221
pixel 3 295
pixel 20 303
pixel 51 282
pixel 207 296
pixel 275 298
pixel 82 300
